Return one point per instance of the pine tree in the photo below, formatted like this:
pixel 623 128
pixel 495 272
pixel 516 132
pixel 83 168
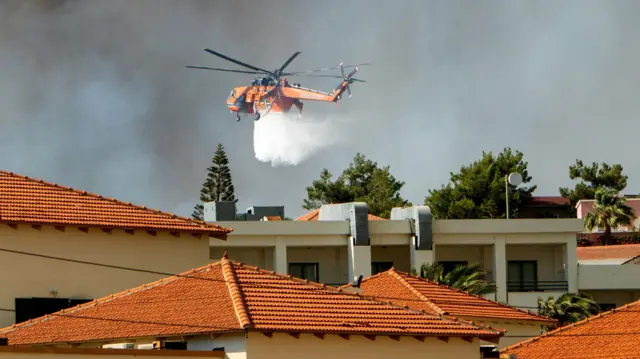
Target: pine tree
pixel 218 186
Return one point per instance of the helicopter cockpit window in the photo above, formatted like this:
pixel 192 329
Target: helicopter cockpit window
pixel 233 92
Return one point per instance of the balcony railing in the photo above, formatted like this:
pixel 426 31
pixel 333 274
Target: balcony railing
pixel 538 286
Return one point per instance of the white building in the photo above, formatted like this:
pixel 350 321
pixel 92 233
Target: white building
pixel 610 274
pixel 526 258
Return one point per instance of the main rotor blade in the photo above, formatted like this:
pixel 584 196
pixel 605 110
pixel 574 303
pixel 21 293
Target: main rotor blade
pixel 216 69
pixel 331 76
pixel 325 69
pixel 295 54
pixel 236 61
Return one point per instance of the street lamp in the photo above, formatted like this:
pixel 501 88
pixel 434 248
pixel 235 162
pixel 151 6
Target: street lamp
pixel 514 179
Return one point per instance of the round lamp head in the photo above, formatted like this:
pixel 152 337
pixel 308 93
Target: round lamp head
pixel 515 178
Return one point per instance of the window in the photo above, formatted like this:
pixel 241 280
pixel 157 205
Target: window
pixel 605 307
pixel 522 276
pixel 309 271
pixel 449 266
pixel 31 308
pixel 379 267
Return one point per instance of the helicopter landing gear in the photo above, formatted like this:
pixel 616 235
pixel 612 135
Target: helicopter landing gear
pixel 238 117
pixel 257 116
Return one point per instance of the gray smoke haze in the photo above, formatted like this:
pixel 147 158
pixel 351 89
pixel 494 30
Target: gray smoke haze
pixel 94 93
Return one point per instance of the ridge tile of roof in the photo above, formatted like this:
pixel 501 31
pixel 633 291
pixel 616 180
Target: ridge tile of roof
pixel 227 296
pixel 34 201
pixel 315 215
pixel 620 251
pixel 612 334
pixel 420 293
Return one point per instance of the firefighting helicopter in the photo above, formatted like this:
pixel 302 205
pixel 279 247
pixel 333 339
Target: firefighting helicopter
pixel 272 91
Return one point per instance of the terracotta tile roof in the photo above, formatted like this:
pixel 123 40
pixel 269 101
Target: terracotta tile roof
pixel 315 215
pixel 404 289
pixel 613 334
pixel 229 296
pixel 34 201
pixel 271 218
pixel 620 251
pixel 548 201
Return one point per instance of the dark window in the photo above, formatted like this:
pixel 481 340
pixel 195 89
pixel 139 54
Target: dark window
pixel 379 267
pixel 309 271
pixel 31 308
pixel 522 276
pixel 449 266
pixel 605 307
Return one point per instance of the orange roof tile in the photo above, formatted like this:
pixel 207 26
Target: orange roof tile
pixel 33 201
pixel 229 296
pixel 620 251
pixel 419 293
pixel 613 334
pixel 315 215
pixel 272 218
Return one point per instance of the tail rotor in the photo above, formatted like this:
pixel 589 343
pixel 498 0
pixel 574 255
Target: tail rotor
pixel 348 77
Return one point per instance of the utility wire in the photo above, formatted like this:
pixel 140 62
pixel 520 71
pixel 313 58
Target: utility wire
pixel 180 275
pixel 236 328
pixel 206 279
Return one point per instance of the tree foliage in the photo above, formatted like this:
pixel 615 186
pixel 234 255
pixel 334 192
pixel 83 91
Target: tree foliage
pixel 609 211
pixel 218 186
pixel 362 181
pixel 478 190
pixel 593 177
pixel 470 278
pixel 568 308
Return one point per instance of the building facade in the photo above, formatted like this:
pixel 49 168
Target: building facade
pixel 526 258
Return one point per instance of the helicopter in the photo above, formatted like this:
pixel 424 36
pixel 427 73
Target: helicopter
pixel 272 92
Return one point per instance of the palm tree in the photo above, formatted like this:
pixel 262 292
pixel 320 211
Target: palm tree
pixel 609 211
pixel 471 279
pixel 568 308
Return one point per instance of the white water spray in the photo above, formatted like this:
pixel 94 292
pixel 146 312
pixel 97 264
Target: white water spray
pixel 287 139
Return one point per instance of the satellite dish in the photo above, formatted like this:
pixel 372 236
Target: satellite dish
pixel 515 178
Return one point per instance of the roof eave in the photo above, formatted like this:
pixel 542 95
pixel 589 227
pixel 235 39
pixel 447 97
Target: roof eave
pixel 219 233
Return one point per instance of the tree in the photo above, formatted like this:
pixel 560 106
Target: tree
pixel 471 279
pixel 595 176
pixel 218 186
pixel 362 181
pixel 478 190
pixel 609 211
pixel 568 308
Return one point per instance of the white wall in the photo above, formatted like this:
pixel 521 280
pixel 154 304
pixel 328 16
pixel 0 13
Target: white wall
pixel 609 277
pixel 235 345
pixel 284 346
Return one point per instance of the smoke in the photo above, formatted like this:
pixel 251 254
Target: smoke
pixel 287 139
pixel 94 93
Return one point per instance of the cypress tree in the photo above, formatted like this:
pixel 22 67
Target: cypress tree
pixel 218 185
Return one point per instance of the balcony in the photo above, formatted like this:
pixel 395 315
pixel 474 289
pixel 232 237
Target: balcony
pixel 538 286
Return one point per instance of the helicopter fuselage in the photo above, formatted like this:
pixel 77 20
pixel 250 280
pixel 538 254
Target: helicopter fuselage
pixel 249 99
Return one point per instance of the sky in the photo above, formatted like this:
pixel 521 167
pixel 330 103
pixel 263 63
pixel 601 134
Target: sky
pixel 94 94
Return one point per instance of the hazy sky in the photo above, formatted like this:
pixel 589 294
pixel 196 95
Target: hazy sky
pixel 94 93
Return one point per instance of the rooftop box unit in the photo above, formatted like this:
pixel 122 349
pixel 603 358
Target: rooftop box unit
pixel 119 346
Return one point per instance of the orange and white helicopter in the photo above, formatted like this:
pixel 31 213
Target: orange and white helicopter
pixel 272 91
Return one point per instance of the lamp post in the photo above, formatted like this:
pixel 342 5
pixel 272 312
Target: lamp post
pixel 514 179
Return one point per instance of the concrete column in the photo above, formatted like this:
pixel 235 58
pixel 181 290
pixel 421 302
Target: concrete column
pixel 571 265
pixel 359 260
pixel 420 256
pixel 500 268
pixel 280 262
